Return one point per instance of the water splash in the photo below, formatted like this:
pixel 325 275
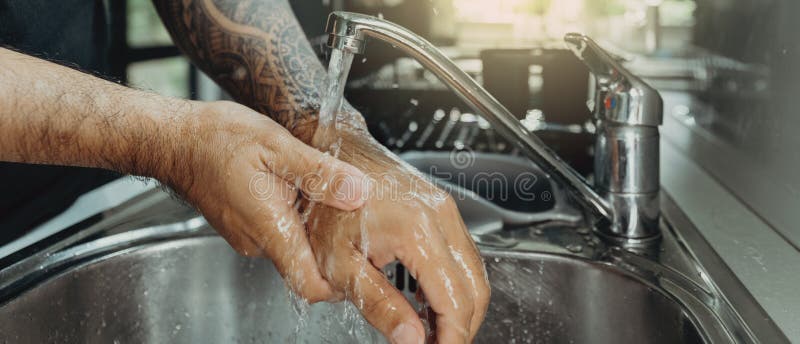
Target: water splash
pixel 332 100
pixel 330 115
pixel 301 310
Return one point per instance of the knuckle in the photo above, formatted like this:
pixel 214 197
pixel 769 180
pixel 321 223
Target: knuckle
pixel 314 298
pixel 277 141
pixel 466 300
pixel 381 258
pixel 240 244
pixel 376 308
pixel 314 295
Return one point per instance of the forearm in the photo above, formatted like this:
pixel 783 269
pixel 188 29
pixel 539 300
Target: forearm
pixel 50 114
pixel 256 51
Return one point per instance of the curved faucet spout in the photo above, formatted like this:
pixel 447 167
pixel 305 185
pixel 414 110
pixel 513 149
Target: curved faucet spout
pixel 349 31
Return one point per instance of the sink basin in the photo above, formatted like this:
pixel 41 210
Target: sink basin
pixel 196 289
pixel 545 298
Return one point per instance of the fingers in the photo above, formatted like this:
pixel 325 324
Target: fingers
pixel 284 239
pixel 467 256
pixel 381 303
pixel 444 286
pixel 321 177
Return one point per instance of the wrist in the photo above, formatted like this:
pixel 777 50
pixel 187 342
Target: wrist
pixel 163 151
pixel 352 143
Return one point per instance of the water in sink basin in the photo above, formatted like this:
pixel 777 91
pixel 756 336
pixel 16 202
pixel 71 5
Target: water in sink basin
pixel 554 299
pixel 198 290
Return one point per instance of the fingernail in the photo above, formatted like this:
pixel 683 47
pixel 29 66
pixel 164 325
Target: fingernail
pixel 406 334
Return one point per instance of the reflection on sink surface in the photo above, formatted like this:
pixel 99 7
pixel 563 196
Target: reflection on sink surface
pixel 198 290
pixel 555 299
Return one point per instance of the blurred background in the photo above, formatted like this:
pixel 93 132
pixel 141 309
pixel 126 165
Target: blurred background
pixel 727 70
pixel 471 24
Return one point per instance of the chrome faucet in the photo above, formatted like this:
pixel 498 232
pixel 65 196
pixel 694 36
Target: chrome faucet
pixel 627 112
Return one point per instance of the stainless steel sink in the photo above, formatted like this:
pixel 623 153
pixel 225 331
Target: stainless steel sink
pixel 153 271
pixel 542 298
pixel 198 290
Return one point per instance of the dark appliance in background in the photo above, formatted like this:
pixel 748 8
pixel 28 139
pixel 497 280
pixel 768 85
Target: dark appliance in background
pixel 561 98
pixel 506 74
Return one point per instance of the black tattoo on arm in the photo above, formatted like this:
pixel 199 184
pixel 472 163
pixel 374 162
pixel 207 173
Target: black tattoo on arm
pixel 256 51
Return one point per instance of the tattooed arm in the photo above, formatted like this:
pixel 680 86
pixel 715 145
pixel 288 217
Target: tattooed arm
pixel 256 51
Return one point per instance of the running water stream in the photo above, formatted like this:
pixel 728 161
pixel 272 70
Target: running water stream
pixel 332 112
pixel 334 116
pixel 333 99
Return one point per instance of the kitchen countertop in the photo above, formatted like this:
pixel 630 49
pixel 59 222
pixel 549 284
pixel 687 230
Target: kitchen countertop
pixel 763 260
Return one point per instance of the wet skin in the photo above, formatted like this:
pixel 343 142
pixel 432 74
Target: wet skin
pixel 408 219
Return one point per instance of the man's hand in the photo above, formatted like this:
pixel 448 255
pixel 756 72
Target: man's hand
pixel 407 219
pixel 242 171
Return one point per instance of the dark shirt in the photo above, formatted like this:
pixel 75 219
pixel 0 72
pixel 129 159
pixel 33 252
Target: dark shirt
pixel 73 33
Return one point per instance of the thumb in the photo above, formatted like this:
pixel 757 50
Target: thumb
pixel 320 176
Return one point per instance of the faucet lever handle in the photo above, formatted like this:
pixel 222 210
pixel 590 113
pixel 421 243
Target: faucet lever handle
pixel 620 96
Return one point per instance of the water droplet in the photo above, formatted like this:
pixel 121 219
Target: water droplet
pixel 575 248
pixel 414 102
